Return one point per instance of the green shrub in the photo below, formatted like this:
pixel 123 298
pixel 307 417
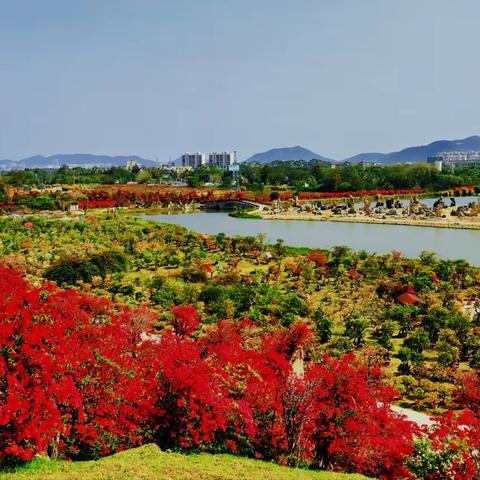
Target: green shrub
pixel 73 270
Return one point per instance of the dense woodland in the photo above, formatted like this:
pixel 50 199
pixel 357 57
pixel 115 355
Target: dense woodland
pixel 229 344
pixel 300 175
pixel 318 176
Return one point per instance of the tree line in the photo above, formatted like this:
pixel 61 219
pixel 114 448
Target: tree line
pixel 301 176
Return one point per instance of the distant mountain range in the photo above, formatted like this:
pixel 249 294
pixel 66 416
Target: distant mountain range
pixel 288 153
pixel 74 159
pixel 420 153
pixel 411 154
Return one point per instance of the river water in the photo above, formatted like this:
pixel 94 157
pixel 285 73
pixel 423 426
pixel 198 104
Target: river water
pixel 375 238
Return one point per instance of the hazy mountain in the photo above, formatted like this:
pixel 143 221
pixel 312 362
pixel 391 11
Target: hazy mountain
pixel 288 153
pixel 73 160
pixel 410 154
pixel 420 153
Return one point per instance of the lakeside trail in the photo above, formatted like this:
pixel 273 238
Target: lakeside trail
pixel 420 418
pixel 448 221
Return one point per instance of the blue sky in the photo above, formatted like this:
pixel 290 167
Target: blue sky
pixel 157 77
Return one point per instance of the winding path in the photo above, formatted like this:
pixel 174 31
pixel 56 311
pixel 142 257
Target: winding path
pixel 421 419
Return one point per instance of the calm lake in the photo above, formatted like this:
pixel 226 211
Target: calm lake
pixel 411 241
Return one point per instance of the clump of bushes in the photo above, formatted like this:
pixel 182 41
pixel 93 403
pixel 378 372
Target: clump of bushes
pixel 74 270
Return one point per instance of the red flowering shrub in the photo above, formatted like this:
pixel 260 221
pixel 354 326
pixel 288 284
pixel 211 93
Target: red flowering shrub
pixel 190 407
pixel 97 203
pixel 294 269
pixel 218 394
pixel 77 380
pixel 185 320
pixel 207 267
pixel 353 427
pixel 449 449
pixel 298 336
pixel 65 361
pixel 469 391
pixel 354 274
pixel 318 258
pixel 253 379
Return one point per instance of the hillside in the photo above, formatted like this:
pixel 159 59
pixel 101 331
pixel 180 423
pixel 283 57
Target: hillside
pixel 74 159
pixel 288 153
pixel 419 153
pixel 149 463
pixel 415 154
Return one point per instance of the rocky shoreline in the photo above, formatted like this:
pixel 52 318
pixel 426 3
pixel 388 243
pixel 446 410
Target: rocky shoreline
pixel 469 223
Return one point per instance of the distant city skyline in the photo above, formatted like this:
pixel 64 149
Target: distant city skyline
pixel 156 78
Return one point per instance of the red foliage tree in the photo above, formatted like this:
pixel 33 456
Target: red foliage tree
pixel 65 360
pixel 185 319
pixel 190 408
pixel 207 267
pixel 77 380
pixel 253 377
pixel 448 449
pixel 468 393
pixel 353 427
pixel 318 258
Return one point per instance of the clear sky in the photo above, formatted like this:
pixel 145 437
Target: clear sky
pixel 158 77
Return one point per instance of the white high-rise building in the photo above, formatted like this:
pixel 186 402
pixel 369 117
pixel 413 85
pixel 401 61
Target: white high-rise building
pixel 194 160
pixel 222 159
pixel 214 159
pixel 456 159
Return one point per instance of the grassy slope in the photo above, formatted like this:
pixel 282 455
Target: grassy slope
pixel 148 462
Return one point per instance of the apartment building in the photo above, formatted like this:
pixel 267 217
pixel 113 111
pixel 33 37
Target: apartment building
pixel 455 159
pixel 194 160
pixel 214 159
pixel 222 159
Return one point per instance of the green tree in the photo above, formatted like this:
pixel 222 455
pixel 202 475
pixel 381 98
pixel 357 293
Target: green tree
pixel 143 176
pixel 323 326
pixel 403 315
pixel 436 319
pixel 384 334
pixel 292 307
pixel 355 329
pixel 448 355
pixel 461 325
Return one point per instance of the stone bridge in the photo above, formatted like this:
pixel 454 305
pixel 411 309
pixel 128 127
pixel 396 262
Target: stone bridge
pixel 232 204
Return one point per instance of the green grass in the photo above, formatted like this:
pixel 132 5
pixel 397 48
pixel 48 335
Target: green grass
pixel 149 462
pixel 245 213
